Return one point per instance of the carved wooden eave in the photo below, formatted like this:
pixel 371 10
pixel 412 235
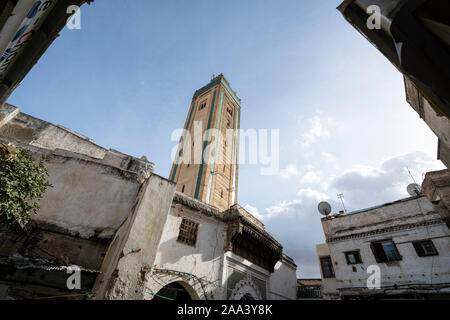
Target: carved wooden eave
pixel 253 244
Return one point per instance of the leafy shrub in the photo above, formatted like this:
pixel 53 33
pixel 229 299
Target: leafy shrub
pixel 22 185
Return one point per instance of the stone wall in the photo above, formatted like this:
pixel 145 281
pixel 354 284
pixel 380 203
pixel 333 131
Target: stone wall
pixel 79 203
pixel 21 127
pixel 436 186
pixel 438 123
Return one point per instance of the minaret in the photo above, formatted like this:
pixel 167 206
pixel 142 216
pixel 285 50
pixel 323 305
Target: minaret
pixel 211 130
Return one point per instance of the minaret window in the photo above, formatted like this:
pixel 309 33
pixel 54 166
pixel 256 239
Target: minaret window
pixel 202 106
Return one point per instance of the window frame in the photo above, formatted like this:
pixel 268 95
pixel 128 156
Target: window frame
pixel 384 258
pixel 424 254
pixel 202 105
pixel 331 269
pixel 356 253
pixel 186 227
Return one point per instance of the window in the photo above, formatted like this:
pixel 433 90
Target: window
pixel 230 112
pixel 202 106
pixel 182 189
pixel 188 232
pixel 385 251
pixel 425 248
pixel 221 194
pixel 327 267
pixel 353 257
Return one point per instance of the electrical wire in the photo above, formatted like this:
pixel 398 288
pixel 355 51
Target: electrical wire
pixel 199 279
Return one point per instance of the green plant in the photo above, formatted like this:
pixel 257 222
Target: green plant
pixel 22 185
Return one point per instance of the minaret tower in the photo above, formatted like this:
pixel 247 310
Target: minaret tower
pixel 211 130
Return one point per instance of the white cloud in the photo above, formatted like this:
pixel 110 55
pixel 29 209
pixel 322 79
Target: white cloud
pixel 329 157
pixel 311 177
pixel 305 196
pixel 296 222
pixel 290 171
pixel 331 122
pixel 316 178
pixel 315 131
pixel 366 186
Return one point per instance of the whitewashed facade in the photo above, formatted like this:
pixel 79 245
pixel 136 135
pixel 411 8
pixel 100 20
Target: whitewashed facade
pixel 407 241
pixel 207 269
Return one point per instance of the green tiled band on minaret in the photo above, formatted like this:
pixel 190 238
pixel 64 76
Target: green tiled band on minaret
pixel 182 142
pixel 199 179
pixel 215 106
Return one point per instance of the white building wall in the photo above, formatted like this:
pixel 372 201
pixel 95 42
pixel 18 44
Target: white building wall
pixel 224 274
pixel 205 260
pixel 283 282
pixel 329 285
pixel 411 269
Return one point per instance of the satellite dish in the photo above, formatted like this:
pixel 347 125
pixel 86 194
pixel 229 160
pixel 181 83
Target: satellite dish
pixel 324 208
pixel 414 190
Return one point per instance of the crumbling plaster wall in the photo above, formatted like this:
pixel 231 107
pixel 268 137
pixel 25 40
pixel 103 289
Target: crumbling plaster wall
pixel 436 187
pixel 21 127
pixel 410 210
pixel 124 269
pixel 88 199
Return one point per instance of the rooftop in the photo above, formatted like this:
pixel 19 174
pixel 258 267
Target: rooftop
pixel 219 79
pixel 340 215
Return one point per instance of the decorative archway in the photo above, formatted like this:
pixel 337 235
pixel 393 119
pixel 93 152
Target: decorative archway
pixel 178 290
pixel 246 290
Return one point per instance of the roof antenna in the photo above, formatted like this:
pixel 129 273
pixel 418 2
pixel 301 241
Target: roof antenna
pixel 411 175
pixel 413 189
pixel 341 196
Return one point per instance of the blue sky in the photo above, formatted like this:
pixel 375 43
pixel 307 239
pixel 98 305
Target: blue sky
pixel 127 77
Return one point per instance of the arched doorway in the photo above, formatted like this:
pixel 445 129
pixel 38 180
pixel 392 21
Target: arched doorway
pixel 247 297
pixel 173 291
pixel 246 290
